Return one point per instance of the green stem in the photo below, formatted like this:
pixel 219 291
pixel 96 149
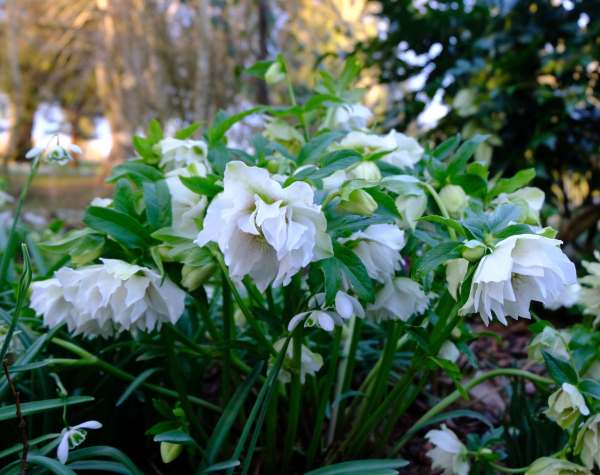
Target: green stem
pixel 503 469
pixel 12 236
pixel 324 398
pixel 228 329
pixel 243 307
pixel 440 204
pixel 454 396
pixel 295 397
pixel 119 373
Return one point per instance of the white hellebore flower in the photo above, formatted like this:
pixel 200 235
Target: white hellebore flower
pixel 399 299
pixel 565 405
pixel 407 151
pixel 187 207
pixel 107 298
pixel 456 271
pixel 177 153
pixel 346 307
pixel 449 454
pixel 569 296
pixel 587 444
pixel 589 295
pixel 310 362
pixel 529 199
pixel 264 230
pixel 351 116
pixel 73 436
pixel 553 466
pixel 551 340
pixel 522 268
pixel 378 247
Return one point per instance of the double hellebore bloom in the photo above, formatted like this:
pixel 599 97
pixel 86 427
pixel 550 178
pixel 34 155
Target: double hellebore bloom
pixel 264 230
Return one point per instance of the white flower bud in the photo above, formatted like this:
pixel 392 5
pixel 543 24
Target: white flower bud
pixel 170 451
pixel 566 405
pixel 587 444
pixel 359 202
pixel 552 466
pixel 365 171
pixel 454 199
pixel 275 73
pixel 411 208
pixel 456 270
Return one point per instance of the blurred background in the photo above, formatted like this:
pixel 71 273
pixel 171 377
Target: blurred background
pixel 96 71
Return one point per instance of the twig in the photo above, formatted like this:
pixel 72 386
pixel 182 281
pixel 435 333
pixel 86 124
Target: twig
pixel 22 423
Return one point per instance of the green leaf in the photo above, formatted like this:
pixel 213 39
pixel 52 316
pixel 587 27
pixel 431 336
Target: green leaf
pixel 314 148
pixel 82 245
pixel 436 256
pixel 124 198
pixel 139 380
pixel 53 466
pixel 473 184
pixel 332 277
pixel 508 185
pixel 355 271
pixel 330 163
pixel 155 133
pixel 360 467
pixel 102 466
pixel 145 148
pixel 446 148
pixel 223 123
pixel 559 370
pixel 514 229
pixel 459 160
pixel 446 222
pixel 590 387
pixel 187 132
pixel 176 436
pixel 259 68
pixel 118 225
pixel 105 451
pixel 217 467
pixel 229 416
pixel 157 200
pixel 34 407
pixel 18 447
pixel 206 186
pixel 135 170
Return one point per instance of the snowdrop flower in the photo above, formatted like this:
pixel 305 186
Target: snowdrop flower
pixel 589 295
pixel 456 271
pixel 54 153
pixel 522 268
pixel 552 466
pixel 407 151
pixel 177 153
pixel 551 340
pixel 449 351
pixel 107 298
pixel 310 363
pixel 565 405
pixel 351 116
pixel 378 247
pixel 567 298
pixel 5 199
pixel 264 230
pixel 529 199
pixel 187 207
pixel 72 437
pixel 449 454
pixel 587 444
pixel 346 307
pixel 399 299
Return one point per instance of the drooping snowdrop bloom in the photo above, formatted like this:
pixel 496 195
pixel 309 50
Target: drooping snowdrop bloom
pixel 406 153
pixel 587 444
pixel 72 437
pixel 551 340
pixel 310 362
pixel 107 298
pixel 378 247
pixel 589 295
pixel 345 307
pixel 449 454
pixel 554 466
pixel 187 207
pixel 177 153
pixel 399 299
pixel 522 268
pixel 264 230
pixel 566 405
pixel 351 117
pixel 54 152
